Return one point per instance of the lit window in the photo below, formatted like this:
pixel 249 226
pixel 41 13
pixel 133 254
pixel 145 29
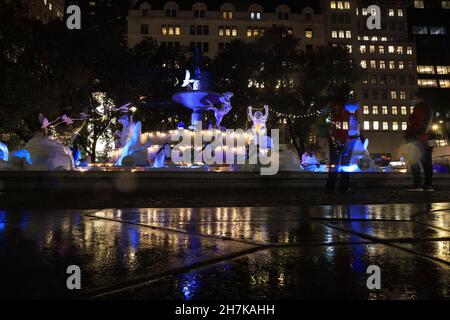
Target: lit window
pixel 334 34
pixel 445 4
pixel 402 95
pixel 381 49
pixel 420 29
pixel 419 4
pixel 401 65
pixel 385 125
pixel 438 30
pixel 366 125
pixel 333 4
pixel 364 64
pixel 362 49
pixel 376 125
pixel 425 69
pixel 345 125
pixel 394 110
pixel 427 83
pixel 391 12
pixel 403 110
pixel 395 126
pixel 404 126
pixel 409 50
pixel 391 65
pixel 443 70
pixel 348 34
pixel 399 50
pixel 366 110
pixel 384 110
pixel 373 64
pixel 308 33
pixel 391 49
pixel 445 84
pixel 400 12
pixel 375 110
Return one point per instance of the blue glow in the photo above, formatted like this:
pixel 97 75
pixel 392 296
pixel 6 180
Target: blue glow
pixel 189 285
pixel 24 154
pixel 352 108
pixel 24 219
pixel 4 153
pixel 134 238
pixel 349 168
pixel 2 221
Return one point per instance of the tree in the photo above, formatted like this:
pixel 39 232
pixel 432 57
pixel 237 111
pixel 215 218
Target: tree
pixel 297 85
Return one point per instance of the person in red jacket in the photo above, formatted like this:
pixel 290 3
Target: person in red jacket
pixel 418 133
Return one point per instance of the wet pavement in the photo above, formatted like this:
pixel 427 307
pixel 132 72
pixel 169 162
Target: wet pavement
pixel 291 252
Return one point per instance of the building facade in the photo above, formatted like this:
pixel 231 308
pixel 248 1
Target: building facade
pixel 387 56
pixel 429 26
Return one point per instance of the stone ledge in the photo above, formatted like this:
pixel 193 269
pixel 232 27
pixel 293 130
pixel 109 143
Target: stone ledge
pixel 70 180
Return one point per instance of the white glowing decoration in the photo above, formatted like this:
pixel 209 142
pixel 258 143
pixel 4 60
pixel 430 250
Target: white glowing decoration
pixel 4 152
pixel 259 120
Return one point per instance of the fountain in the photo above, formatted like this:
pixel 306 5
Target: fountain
pixel 196 99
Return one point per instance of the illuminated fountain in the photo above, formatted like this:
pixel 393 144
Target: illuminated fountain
pixel 199 100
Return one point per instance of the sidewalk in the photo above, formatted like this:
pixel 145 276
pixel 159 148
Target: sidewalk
pixel 282 252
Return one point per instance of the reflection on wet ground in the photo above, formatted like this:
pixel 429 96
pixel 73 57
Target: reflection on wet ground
pixel 228 253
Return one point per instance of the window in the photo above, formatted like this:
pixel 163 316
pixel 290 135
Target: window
pixel 401 65
pixel 334 34
pixel 391 49
pixel 385 125
pixel 382 64
pixel 171 30
pixel 400 12
pixel 444 84
pixel 362 49
pixel 366 125
pixel 399 50
pixel 394 110
pixel 384 110
pixel 375 110
pixel 420 30
pixel 445 4
pixel 418 4
pixel 409 50
pixel 393 95
pixel 381 49
pixel 404 126
pixel 427 83
pixel 308 33
pixel 438 30
pixel 375 125
pixel 372 49
pixel 403 110
pixel 391 12
pixel 227 15
pixel 443 70
pixel 227 31
pixel 199 13
pixel 144 28
pixel 391 65
pixel 395 126
pixel 345 125
pixel 348 34
pixel 283 16
pixel 366 110
pixel 373 64
pixel 202 46
pixel 364 64
pixel 402 95
pixel 255 15
pixel 171 13
pixel 425 69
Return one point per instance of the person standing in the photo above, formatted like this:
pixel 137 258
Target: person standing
pixel 418 135
pixel 337 139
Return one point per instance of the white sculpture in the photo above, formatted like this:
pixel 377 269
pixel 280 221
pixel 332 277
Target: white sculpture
pixel 224 109
pixel 259 120
pixel 188 81
pixel 48 154
pixel 130 142
pixel 4 152
pixel 355 155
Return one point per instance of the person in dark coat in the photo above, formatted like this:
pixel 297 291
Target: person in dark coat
pixel 418 134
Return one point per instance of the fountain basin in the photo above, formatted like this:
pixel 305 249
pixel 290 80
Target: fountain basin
pixel 197 101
